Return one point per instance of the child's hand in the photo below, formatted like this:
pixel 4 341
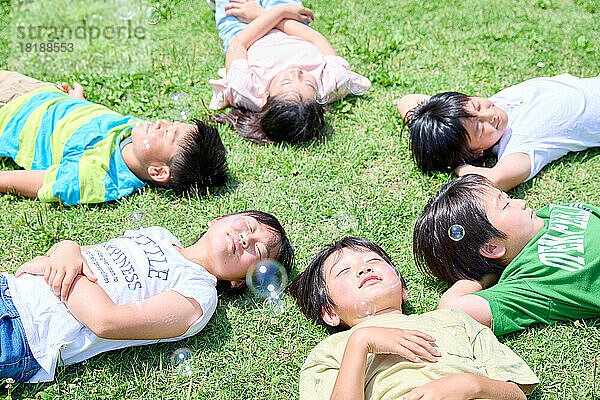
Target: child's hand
pixel 75 92
pixel 37 266
pixel 453 387
pixel 299 13
pixel 410 344
pixel 245 11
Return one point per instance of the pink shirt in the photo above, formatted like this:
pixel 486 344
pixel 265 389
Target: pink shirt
pixel 247 80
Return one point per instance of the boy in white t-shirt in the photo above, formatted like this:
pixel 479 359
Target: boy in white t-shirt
pixel 143 287
pixel 526 126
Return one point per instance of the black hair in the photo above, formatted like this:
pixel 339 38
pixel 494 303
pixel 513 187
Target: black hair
pixel 200 161
pixel 309 289
pixel 457 203
pixel 285 255
pixel 280 120
pixel 438 139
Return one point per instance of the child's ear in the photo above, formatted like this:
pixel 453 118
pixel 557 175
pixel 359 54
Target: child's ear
pixel 212 221
pixel 404 294
pixel 265 98
pixel 330 317
pixel 159 174
pixel 478 154
pixel 237 284
pixel 489 250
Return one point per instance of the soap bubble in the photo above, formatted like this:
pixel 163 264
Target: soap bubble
pixel 364 308
pixel 321 97
pixel 456 232
pixel 124 9
pixel 267 278
pixel 395 282
pixel 180 356
pixel 276 303
pixel 354 84
pixel 152 15
pixel 180 102
pixel 345 221
pixel 138 220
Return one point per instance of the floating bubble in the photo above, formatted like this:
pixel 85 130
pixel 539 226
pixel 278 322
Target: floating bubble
pixel 151 16
pixel 396 280
pixel 266 279
pixel 345 221
pixel 124 9
pixel 354 85
pixel 321 97
pixel 364 308
pixel 180 102
pixel 276 304
pixel 456 232
pixel 138 220
pixel 180 356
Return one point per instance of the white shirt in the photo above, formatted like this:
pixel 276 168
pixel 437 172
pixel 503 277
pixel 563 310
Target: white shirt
pixel 136 266
pixel 549 117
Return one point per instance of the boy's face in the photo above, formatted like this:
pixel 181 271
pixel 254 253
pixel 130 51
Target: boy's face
pixel 360 277
pixel 157 142
pixel 518 222
pixel 486 126
pixel 235 243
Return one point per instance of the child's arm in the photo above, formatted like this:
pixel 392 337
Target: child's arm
pixel 467 386
pixel 412 345
pixel 61 265
pixel 508 172
pixel 461 296
pixel 248 10
pixel 23 182
pixel 238 48
pixel 168 314
pixel 410 101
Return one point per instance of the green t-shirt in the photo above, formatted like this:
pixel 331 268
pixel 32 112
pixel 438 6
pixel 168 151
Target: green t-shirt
pixel 555 277
pixel 466 347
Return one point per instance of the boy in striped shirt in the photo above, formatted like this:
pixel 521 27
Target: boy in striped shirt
pixel 75 151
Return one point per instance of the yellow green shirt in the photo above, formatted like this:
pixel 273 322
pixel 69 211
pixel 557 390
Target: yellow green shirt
pixel 466 347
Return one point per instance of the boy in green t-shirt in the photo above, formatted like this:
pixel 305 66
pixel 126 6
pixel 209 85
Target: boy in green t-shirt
pixel 352 287
pixel 510 267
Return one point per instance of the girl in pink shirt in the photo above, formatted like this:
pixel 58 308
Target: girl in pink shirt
pixel 278 71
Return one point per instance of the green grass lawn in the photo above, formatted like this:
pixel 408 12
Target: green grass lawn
pixel 363 172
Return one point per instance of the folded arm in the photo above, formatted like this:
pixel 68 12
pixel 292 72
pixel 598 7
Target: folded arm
pixel 168 314
pixel 23 182
pixel 467 386
pixel 508 172
pixel 295 28
pixel 460 296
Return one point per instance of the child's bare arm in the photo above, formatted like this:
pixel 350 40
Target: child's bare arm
pixel 238 48
pixel 410 101
pixel 461 296
pixel 295 28
pixel 412 345
pixel 508 172
pixel 23 182
pixel 467 386
pixel 168 314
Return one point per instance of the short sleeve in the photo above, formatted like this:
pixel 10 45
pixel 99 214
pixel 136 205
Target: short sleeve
pixel 340 80
pixel 515 306
pixel 319 372
pixel 61 183
pixel 238 87
pixel 501 363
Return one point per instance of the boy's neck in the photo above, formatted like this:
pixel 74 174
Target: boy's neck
pixel 134 165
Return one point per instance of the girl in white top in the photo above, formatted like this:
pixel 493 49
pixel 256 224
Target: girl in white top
pixel 526 126
pixel 278 71
pixel 143 287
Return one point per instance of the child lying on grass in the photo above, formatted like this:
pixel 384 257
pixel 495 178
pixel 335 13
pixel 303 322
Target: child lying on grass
pixel 143 287
pixel 511 266
pixel 526 126
pixel 278 71
pixel 75 151
pixel 384 354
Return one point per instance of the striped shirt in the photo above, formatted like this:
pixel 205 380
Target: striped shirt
pixel 75 141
